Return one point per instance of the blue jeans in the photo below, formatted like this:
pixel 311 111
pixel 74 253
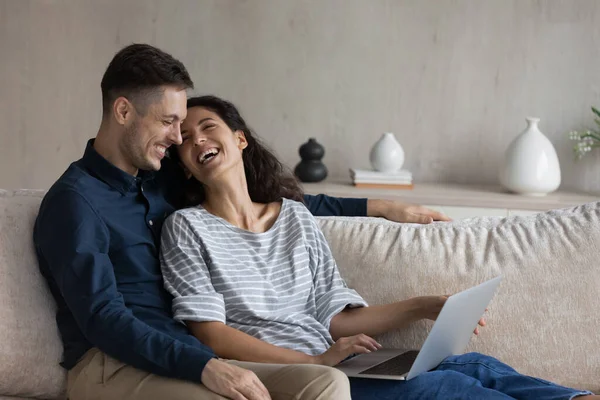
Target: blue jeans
pixel 468 376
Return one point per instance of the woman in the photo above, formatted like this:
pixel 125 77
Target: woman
pixel 253 277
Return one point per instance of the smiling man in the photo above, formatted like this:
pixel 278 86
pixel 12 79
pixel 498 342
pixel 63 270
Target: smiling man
pixel 97 238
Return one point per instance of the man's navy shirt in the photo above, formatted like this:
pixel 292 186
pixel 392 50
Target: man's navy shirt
pixel 97 237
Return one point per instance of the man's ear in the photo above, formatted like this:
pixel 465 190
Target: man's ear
pixel 122 110
pixel 241 139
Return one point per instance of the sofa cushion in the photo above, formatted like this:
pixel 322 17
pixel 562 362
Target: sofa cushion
pixel 544 320
pixel 30 347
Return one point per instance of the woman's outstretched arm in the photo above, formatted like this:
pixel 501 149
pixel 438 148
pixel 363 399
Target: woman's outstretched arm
pixel 376 320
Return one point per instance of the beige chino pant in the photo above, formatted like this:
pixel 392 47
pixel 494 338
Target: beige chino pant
pixel 100 377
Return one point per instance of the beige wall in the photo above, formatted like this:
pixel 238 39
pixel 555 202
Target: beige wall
pixel 454 79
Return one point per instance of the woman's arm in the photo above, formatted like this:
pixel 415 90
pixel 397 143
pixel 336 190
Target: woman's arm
pixel 376 320
pixel 228 342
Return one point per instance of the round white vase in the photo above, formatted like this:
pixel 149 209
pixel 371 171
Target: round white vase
pixel 386 154
pixel 530 165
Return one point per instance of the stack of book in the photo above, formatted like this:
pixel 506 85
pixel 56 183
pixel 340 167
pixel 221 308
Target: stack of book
pixel 381 180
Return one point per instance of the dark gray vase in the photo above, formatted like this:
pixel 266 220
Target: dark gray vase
pixel 311 169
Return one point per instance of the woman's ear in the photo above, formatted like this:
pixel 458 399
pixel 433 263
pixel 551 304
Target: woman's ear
pixel 241 139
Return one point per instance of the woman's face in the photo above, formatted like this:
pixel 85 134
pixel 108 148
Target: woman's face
pixel 209 146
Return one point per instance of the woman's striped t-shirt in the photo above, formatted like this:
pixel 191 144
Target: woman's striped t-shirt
pixel 281 286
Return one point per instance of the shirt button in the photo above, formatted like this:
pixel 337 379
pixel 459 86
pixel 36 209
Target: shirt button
pixel 151 223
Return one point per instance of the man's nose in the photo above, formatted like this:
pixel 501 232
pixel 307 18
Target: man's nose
pixel 175 135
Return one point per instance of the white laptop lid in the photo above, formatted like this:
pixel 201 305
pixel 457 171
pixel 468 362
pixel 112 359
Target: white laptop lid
pixel 454 326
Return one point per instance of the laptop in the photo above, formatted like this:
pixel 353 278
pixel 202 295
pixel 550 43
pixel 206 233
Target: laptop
pixel 450 335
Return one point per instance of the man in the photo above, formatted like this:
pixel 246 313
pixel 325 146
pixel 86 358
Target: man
pixel 97 238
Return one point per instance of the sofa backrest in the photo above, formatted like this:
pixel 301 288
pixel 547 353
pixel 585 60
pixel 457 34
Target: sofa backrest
pixel 30 346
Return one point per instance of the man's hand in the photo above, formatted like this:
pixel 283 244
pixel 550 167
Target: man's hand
pixel 403 212
pixel 233 382
pixel 432 305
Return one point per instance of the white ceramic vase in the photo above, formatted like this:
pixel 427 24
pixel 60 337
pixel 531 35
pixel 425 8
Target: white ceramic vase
pixel 386 154
pixel 530 165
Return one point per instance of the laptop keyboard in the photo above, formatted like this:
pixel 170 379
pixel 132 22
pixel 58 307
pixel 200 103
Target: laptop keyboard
pixel 398 365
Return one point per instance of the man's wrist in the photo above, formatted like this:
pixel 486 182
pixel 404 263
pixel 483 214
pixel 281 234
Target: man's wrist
pixel 377 207
pixel 212 363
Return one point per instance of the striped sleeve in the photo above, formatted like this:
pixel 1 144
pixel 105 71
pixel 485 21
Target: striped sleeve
pixel 186 274
pixel 332 294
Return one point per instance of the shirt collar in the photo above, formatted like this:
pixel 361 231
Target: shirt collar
pixel 109 173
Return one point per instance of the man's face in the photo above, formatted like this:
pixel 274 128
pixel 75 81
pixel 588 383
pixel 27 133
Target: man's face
pixel 148 136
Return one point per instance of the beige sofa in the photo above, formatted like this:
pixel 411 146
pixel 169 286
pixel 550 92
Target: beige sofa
pixel 545 319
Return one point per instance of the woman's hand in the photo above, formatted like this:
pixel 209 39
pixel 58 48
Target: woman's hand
pixel 346 346
pixel 403 212
pixel 432 305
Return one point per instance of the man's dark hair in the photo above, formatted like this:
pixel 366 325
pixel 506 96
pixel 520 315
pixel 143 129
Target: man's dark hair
pixel 137 72
pixel 267 178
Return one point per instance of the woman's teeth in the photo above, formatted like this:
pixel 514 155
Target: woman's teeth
pixel 207 155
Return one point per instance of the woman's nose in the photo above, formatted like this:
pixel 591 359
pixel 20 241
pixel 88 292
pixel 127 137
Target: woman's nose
pixel 198 140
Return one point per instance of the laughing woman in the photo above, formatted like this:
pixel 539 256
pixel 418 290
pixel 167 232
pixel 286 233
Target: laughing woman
pixel 253 277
